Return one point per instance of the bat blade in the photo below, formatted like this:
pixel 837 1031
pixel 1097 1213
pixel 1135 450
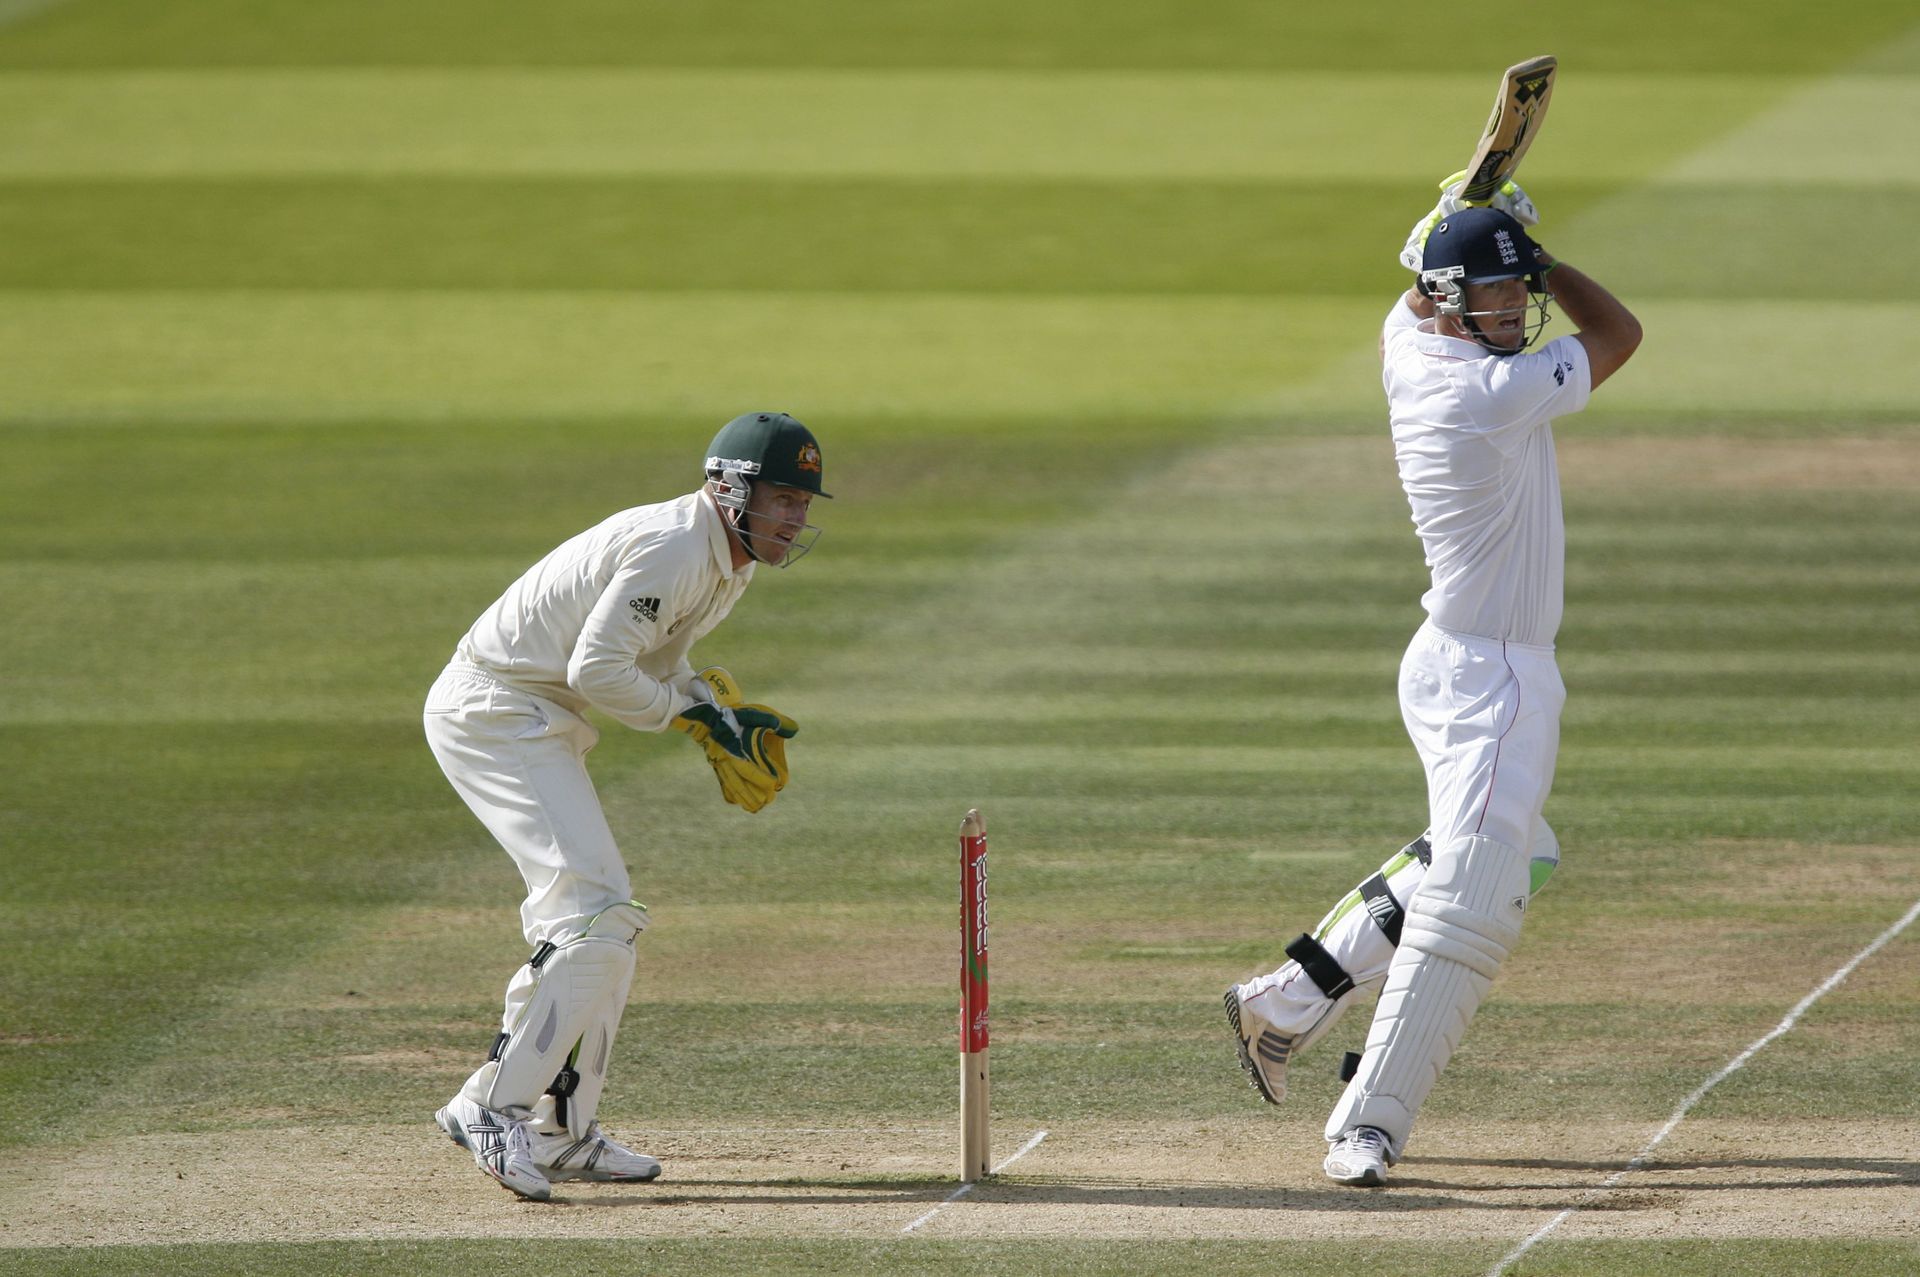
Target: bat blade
pixel 1518 113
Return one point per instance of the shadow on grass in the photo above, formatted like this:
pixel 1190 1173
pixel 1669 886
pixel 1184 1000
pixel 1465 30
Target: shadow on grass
pixel 1407 1191
pixel 1832 1172
pixel 1026 1192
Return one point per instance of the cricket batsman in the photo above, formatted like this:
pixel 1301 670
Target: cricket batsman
pixel 1471 401
pixel 604 621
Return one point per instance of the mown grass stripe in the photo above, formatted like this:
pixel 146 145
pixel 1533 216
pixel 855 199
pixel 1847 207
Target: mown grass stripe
pixel 1018 235
pixel 1841 128
pixel 1312 125
pixel 235 356
pixel 228 356
pixel 747 1256
pixel 1772 36
pixel 15 11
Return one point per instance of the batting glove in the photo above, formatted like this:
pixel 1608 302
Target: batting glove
pixel 1509 199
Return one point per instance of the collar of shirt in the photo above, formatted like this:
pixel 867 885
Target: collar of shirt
pixel 717 538
pixel 1430 342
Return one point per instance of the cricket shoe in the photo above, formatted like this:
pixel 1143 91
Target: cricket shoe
pixel 502 1146
pixel 1264 1050
pixel 1361 1157
pixel 595 1156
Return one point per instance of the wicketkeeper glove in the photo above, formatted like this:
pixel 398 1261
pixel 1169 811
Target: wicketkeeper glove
pixel 1509 199
pixel 745 744
pixel 753 784
pixel 742 785
pixel 735 729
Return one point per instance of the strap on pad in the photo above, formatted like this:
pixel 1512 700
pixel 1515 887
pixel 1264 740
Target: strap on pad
pixel 1320 966
pixel 565 1083
pixel 1385 909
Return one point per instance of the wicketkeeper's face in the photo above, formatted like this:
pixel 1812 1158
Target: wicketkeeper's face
pixel 775 515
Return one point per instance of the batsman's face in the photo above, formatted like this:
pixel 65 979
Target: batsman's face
pixel 1500 310
pixel 775 515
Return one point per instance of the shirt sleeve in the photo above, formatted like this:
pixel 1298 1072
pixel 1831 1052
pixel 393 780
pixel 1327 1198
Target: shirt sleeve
pixel 1529 389
pixel 629 619
pixel 684 679
pixel 1400 320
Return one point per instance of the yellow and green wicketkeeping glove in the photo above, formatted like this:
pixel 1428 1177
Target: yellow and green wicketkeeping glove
pixel 745 744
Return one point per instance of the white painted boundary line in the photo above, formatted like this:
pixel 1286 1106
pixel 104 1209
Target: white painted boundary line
pixel 964 1189
pixel 1732 1066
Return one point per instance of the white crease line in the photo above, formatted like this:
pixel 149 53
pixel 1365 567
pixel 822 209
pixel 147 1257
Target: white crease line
pixel 964 1189
pixel 1732 1066
pixel 798 1130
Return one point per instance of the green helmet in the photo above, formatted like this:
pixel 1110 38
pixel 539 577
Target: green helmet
pixel 768 447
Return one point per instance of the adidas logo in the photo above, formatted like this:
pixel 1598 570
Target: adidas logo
pixel 646 609
pixel 1273 1047
pixel 1383 910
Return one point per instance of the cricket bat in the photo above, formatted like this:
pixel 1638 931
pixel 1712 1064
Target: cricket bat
pixel 1518 113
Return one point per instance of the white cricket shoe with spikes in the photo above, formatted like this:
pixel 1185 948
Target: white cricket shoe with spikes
pixel 1361 1157
pixel 501 1145
pixel 596 1156
pixel 1264 1050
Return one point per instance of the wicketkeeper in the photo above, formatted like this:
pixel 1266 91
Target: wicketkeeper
pixel 1471 405
pixel 607 621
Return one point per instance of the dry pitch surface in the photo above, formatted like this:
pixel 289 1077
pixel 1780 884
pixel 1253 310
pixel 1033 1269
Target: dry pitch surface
pixel 1248 1179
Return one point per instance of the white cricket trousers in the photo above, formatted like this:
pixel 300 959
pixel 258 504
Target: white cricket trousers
pixel 1484 715
pixel 519 761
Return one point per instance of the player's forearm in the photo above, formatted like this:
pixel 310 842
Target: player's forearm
pixel 1589 305
pixel 610 680
pixel 1608 330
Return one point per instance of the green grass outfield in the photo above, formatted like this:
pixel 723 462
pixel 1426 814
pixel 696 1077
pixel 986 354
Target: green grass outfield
pixel 319 322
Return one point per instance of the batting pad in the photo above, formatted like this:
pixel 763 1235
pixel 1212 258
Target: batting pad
pixel 1545 853
pixel 1460 926
pixel 574 995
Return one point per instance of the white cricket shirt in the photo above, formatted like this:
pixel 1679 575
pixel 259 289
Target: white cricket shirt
pixel 608 617
pixel 1472 438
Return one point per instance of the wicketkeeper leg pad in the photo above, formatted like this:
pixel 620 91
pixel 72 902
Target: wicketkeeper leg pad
pixel 1459 928
pixel 573 1097
pixel 569 995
